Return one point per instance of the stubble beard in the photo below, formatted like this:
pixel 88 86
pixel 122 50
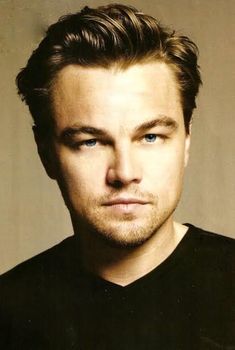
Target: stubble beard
pixel 123 232
pixel 127 232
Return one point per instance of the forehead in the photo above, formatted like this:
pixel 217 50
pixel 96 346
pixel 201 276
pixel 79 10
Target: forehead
pixel 115 96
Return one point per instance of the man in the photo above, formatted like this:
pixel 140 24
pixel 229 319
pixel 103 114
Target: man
pixel 112 93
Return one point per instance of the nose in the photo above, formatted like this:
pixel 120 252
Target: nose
pixel 124 169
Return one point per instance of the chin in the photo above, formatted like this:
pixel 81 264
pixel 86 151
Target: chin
pixel 124 242
pixel 128 235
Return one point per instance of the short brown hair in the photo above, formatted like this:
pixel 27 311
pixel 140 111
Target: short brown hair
pixel 107 35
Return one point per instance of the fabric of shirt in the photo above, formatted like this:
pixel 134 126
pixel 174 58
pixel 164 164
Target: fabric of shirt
pixel 187 302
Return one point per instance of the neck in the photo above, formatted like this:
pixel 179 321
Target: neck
pixel 123 266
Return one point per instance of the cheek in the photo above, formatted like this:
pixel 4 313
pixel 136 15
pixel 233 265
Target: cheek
pixel 79 175
pixel 165 169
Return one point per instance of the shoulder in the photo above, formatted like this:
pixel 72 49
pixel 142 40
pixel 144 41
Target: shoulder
pixel 38 287
pixel 31 293
pixel 212 274
pixel 210 242
pixel 212 258
pixel 40 269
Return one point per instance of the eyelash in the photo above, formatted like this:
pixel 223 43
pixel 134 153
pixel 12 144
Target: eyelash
pixel 155 138
pixel 78 145
pixel 88 142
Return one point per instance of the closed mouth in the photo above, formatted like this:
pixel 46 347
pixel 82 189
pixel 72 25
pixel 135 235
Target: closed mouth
pixel 125 201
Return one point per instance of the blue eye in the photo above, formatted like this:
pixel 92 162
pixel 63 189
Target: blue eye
pixel 150 137
pixel 90 143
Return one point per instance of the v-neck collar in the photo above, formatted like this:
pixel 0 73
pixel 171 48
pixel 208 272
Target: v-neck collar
pixel 177 256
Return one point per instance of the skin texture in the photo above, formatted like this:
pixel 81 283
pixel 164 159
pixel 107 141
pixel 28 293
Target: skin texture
pixel 119 153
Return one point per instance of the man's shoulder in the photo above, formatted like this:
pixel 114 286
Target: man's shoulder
pixel 47 263
pixel 209 245
pixel 211 272
pixel 211 242
pixel 31 294
pixel 39 284
pixel 211 258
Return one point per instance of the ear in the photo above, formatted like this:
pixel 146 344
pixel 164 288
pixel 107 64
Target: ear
pixel 45 151
pixel 187 146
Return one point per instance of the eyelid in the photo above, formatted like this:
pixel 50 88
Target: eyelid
pixel 157 130
pixel 98 141
pixel 85 141
pixel 156 139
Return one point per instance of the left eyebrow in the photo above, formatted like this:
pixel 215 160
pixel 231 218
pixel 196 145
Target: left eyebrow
pixel 164 121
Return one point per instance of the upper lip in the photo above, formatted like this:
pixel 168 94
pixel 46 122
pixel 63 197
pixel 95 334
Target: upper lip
pixel 128 200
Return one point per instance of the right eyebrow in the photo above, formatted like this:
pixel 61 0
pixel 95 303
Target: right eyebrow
pixel 75 130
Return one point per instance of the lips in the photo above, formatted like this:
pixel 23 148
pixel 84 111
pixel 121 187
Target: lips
pixel 124 206
pixel 125 201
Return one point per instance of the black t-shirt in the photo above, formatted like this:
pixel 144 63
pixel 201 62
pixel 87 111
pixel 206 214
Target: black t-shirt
pixel 187 302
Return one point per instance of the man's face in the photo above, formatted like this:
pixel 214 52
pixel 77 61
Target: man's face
pixel 120 149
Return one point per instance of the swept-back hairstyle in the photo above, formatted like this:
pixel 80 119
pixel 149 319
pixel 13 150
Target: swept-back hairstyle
pixel 108 35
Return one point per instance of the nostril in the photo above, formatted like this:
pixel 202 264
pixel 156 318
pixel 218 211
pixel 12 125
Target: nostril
pixel 117 184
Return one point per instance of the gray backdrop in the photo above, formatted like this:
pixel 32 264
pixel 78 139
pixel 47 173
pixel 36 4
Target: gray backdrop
pixel 33 216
